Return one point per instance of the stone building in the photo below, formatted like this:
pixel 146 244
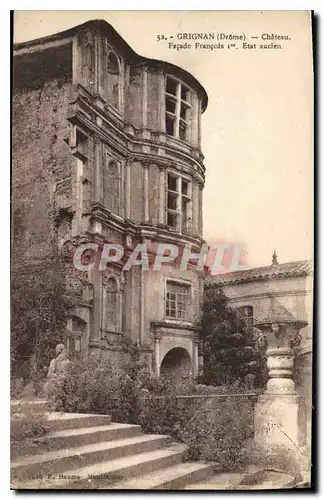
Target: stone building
pixel 107 149
pixel 279 294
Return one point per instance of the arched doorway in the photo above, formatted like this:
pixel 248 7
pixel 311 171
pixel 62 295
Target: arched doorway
pixel 176 366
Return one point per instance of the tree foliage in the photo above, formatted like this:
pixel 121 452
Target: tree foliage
pixel 231 349
pixel 39 308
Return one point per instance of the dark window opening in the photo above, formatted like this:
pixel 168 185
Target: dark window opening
pixel 171 86
pixel 172 220
pixel 183 112
pixel 172 183
pixel 184 187
pixel 182 131
pixel 172 201
pixel 170 105
pixel 184 93
pixel 169 125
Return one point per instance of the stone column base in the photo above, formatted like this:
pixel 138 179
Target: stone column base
pixel 276 421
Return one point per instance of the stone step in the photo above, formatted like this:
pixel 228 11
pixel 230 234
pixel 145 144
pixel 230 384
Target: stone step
pixel 82 456
pixel 26 406
pixel 63 421
pixel 223 481
pixel 89 435
pixel 70 438
pixel 103 475
pixel 271 480
pixel 170 478
pixel 58 421
pixel 252 479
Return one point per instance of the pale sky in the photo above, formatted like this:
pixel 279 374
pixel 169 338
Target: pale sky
pixel 257 132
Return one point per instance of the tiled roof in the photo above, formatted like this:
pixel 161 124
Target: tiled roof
pixel 274 271
pixel 277 314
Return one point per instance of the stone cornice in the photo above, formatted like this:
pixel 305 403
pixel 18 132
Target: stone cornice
pixel 173 325
pixel 83 106
pixel 267 294
pixel 142 230
pixel 102 28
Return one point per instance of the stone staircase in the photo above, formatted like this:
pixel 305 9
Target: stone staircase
pixel 90 452
pixel 87 451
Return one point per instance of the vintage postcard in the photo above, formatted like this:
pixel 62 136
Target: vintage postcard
pixel 162 250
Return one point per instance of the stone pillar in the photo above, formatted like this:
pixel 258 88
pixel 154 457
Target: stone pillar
pixel 161 103
pixel 276 417
pixel 98 192
pixel 144 97
pixel 195 206
pixel 195 121
pixel 162 196
pixel 276 412
pixel 127 189
pixel 200 210
pixel 199 123
pixel 195 356
pixel 157 355
pixel 76 63
pixel 146 195
pixel 97 62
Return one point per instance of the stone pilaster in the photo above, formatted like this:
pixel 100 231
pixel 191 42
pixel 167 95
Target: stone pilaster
pixel 127 188
pixel 146 193
pixel 157 356
pixel 144 98
pixel 162 196
pixel 195 355
pixel 161 103
pixel 76 61
pixel 98 194
pixel 200 210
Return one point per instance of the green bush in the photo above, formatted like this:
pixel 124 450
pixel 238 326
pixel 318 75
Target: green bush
pixel 27 426
pixel 96 388
pixel 218 430
pixel 163 414
pixel 213 428
pixel 16 387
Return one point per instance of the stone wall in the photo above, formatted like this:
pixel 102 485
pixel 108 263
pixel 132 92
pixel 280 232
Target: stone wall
pixel 41 159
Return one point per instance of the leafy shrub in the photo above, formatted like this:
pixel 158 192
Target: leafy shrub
pixel 97 388
pixel 218 430
pixel 16 387
pixel 213 428
pixel 163 414
pixel 27 426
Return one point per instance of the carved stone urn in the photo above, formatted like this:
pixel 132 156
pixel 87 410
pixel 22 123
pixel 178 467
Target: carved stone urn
pixel 276 418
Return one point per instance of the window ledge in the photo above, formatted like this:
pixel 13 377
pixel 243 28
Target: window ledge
pixel 105 331
pixel 170 323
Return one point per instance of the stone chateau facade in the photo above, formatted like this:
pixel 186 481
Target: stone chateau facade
pixel 107 149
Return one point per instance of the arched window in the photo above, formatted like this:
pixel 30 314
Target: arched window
pixel 112 80
pixel 87 60
pixel 111 185
pixel 111 305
